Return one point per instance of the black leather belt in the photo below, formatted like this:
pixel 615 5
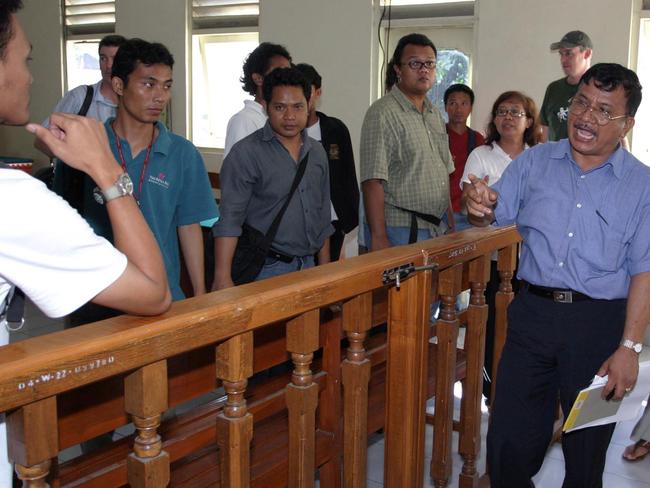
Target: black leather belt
pixel 559 296
pixel 285 258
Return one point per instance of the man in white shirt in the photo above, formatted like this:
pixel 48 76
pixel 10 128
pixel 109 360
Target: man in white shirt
pixel 46 248
pixel 259 63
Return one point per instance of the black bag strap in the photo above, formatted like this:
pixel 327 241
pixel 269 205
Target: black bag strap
pixel 90 91
pixel 413 231
pixel 471 140
pixel 12 310
pixel 275 225
pixel 73 179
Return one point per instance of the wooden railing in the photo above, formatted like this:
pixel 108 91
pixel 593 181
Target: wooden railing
pixel 60 389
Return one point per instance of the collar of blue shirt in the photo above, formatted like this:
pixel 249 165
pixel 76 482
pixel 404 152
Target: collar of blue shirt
pixel 616 160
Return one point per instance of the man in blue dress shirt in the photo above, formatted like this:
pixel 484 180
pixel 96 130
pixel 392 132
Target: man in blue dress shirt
pixel 582 207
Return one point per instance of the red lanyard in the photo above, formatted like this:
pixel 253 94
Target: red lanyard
pixel 146 159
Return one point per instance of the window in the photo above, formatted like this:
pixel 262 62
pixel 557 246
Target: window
pixel 452 67
pixel 86 22
pixel 224 33
pixel 640 143
pixel 216 91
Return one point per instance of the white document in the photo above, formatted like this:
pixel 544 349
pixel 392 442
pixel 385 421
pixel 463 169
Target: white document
pixel 590 409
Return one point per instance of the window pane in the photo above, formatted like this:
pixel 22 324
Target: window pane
pixel 82 63
pixel 452 67
pixel 216 90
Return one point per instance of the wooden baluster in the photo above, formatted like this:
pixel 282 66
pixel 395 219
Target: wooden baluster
pixel 145 399
pixel 302 399
pixel 506 264
pixel 33 441
pixel 449 286
pixel 470 422
pixel 234 365
pixel 357 318
pixel 406 381
pixel 330 406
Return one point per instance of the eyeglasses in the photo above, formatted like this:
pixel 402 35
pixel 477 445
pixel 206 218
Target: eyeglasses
pixel 578 106
pixel 416 65
pixel 513 112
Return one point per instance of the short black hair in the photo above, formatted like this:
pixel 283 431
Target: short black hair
pixel 258 62
pixel 111 40
pixel 285 77
pixel 609 76
pixel 135 51
pixel 311 74
pixel 459 88
pixel 7 7
pixel 413 38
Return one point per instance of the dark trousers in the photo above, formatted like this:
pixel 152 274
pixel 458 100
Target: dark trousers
pixel 551 348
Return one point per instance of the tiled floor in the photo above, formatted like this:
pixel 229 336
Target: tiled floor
pixel 618 473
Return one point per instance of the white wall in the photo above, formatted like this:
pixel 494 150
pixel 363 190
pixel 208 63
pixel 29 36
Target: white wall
pixel 513 38
pixel 336 37
pixel 38 18
pixel 164 21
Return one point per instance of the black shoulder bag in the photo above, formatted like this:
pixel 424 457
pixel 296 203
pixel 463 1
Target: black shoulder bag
pixel 72 180
pixel 253 246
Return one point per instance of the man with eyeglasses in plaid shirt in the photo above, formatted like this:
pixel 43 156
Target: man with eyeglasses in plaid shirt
pixel 405 158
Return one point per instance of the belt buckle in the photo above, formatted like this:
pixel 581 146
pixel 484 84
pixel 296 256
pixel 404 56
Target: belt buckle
pixel 563 296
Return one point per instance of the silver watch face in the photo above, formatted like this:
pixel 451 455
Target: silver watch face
pixel 637 347
pixel 124 184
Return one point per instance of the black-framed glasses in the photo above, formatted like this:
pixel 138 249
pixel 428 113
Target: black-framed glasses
pixel 512 112
pixel 416 65
pixel 578 106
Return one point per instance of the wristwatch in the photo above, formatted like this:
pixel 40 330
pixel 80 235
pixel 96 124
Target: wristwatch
pixel 630 344
pixel 122 187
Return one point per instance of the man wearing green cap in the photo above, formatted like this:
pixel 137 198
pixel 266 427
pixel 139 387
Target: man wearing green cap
pixel 575 57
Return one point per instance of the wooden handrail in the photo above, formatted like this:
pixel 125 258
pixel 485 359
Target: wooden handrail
pixel 45 366
pixel 136 351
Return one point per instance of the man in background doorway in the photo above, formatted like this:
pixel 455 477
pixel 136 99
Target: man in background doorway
pixel 459 100
pixel 259 63
pixel 335 138
pixel 575 50
pixel 101 99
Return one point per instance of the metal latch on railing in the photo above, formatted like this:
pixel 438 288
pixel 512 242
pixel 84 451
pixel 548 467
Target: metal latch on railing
pixel 396 275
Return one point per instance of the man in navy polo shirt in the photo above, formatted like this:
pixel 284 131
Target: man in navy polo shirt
pixel 582 207
pixel 169 178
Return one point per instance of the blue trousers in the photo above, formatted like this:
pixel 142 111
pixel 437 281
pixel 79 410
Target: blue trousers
pixel 552 349
pixel 275 267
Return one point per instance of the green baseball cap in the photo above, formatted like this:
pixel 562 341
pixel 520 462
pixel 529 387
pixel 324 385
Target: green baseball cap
pixel 573 39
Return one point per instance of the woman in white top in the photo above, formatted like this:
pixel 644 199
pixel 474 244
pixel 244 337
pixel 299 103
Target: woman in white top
pixel 513 127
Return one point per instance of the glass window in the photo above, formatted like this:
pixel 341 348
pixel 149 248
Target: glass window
pixel 82 63
pixel 452 68
pixel 216 90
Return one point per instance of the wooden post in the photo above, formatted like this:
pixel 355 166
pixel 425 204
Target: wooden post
pixel 406 376
pixel 506 264
pixel 33 441
pixel 302 399
pixel 234 365
pixel 145 398
pixel 357 320
pixel 449 286
pixel 470 422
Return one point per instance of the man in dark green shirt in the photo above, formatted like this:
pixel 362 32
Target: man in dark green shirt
pixel 575 50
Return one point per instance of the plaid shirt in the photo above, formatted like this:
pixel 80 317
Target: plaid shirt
pixel 409 151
